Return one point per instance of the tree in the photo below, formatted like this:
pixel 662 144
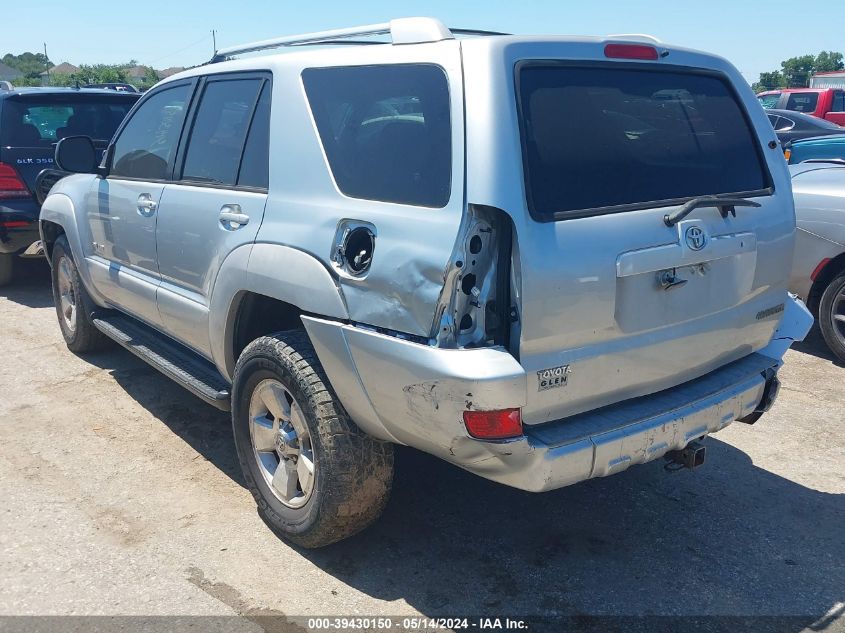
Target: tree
pixel 150 78
pixel 796 71
pixel 828 61
pixel 770 81
pixel 30 64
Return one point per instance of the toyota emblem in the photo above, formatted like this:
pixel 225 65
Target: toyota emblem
pixel 696 238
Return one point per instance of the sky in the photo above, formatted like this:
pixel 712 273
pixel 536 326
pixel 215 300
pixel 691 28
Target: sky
pixel 755 35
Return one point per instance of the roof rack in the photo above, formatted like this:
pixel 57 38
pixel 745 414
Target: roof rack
pixel 401 31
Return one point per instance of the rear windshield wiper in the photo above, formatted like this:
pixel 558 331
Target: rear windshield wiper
pixel 725 205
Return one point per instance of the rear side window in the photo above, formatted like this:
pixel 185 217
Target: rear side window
pixel 838 102
pixel 802 101
pixel 607 138
pixel 219 131
pixel 44 120
pixel 386 130
pixel 147 144
pixel 255 165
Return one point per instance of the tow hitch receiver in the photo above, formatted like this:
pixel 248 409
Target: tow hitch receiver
pixel 692 456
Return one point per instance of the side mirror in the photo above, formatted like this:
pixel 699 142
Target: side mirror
pixel 77 154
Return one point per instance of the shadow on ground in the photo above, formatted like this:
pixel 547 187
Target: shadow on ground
pixel 815 345
pixel 31 285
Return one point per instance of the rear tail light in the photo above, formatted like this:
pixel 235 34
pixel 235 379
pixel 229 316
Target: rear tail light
pixel 631 51
pixel 11 185
pixel 494 425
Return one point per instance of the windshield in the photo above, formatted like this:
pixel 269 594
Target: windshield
pixel 602 137
pixel 34 120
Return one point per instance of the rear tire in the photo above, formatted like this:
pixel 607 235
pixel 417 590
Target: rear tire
pixel 73 304
pixel 832 316
pixel 317 478
pixel 6 267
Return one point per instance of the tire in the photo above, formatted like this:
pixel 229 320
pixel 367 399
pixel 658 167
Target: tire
pixel 6 267
pixel 831 306
pixel 73 304
pixel 342 475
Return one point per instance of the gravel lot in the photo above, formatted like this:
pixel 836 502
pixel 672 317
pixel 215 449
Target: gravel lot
pixel 122 495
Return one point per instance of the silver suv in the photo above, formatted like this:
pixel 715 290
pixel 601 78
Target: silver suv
pixel 543 259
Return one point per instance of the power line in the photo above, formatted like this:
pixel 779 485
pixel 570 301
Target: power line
pixel 204 38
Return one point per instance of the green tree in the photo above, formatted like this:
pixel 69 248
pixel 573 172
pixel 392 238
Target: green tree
pixel 828 61
pixel 797 70
pixel 770 81
pixel 30 64
pixel 150 78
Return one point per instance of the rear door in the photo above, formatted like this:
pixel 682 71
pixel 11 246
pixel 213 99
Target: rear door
pixel 608 295
pixel 837 108
pixel 217 201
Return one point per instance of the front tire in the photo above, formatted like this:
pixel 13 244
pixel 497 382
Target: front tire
pixel 73 305
pixel 832 316
pixel 317 478
pixel 6 267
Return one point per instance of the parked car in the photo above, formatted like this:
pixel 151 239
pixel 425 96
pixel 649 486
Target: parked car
pixel 818 272
pixel 830 147
pixel 824 103
pixel 564 284
pixel 32 120
pixel 792 126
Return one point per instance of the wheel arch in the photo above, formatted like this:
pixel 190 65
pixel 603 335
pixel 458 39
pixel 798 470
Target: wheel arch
pixel 831 270
pixel 264 288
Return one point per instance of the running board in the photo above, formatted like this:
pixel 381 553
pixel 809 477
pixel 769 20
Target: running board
pixel 175 361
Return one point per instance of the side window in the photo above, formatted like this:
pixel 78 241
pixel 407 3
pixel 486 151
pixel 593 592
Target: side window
pixel 148 143
pixel 386 130
pixel 219 131
pixel 255 165
pixel 838 101
pixel 784 124
pixel 802 101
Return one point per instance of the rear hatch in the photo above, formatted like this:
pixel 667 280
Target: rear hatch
pixel 32 122
pixel 614 303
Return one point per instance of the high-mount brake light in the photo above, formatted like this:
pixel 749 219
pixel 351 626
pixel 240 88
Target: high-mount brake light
pixel 631 51
pixel 11 185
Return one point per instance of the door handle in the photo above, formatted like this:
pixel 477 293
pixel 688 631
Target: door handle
pixel 231 217
pixel 146 205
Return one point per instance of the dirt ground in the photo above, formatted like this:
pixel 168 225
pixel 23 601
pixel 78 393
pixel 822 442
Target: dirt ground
pixel 121 494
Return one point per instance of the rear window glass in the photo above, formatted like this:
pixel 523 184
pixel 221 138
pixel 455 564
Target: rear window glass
pixel 386 130
pixel 41 122
pixel 603 137
pixel 802 101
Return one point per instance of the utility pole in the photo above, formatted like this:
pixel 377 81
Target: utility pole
pixel 214 40
pixel 46 63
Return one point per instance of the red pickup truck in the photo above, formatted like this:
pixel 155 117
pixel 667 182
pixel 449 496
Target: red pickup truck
pixel 824 103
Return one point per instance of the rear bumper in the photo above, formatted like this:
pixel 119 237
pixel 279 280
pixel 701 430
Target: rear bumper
pixel 16 239
pixel 416 395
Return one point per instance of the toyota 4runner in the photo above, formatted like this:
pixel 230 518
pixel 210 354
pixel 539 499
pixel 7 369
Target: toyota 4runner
pixel 543 259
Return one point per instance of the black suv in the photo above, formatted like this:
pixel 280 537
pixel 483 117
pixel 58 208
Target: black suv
pixel 32 121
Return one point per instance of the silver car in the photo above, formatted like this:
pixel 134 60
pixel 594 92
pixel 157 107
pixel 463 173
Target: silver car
pixel 543 259
pixel 818 272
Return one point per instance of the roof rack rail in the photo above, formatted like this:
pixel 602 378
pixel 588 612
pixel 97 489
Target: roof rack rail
pixel 401 31
pixel 643 37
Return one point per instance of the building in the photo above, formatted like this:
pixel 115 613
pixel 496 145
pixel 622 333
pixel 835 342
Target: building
pixel 62 69
pixel 835 79
pixel 169 72
pixel 7 73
